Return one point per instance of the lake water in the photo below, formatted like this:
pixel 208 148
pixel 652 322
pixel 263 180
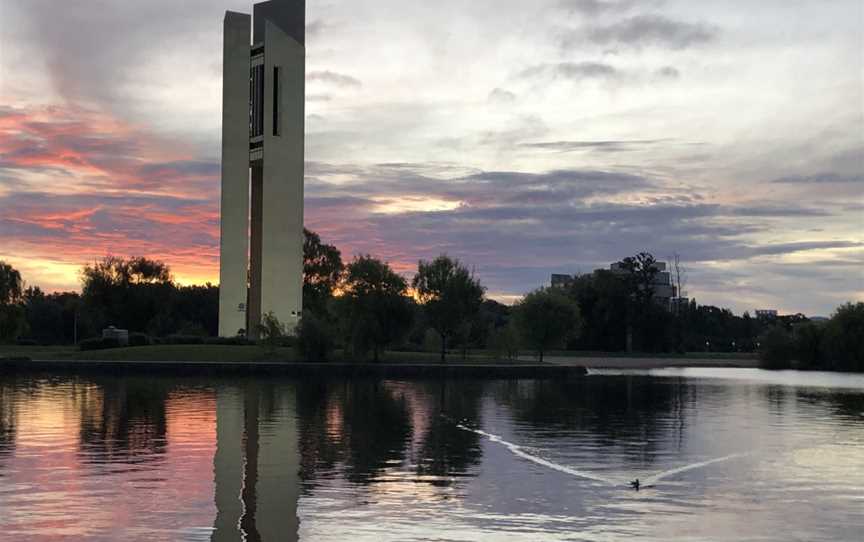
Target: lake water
pixel 726 454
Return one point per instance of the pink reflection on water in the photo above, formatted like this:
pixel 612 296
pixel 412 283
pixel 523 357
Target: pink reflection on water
pixel 152 479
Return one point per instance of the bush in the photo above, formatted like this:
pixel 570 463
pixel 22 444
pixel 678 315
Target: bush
pixel 229 341
pixel 431 341
pixel 314 338
pixel 271 331
pixel 776 350
pixel 184 339
pixel 808 346
pixel 26 342
pixel 844 338
pixel 139 339
pixel 504 342
pixel 98 343
pixel 190 329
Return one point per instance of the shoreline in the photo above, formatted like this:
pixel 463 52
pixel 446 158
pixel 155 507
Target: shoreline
pixel 311 369
pixel 552 367
pixel 651 362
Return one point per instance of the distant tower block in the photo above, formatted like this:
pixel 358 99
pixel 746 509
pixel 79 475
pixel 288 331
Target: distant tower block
pixel 261 262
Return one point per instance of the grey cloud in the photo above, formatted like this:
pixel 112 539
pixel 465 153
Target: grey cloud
pixel 318 97
pixel 774 211
pixel 647 30
pixel 598 7
pixel 669 72
pixel 71 39
pixel 790 248
pixel 592 7
pixel 333 78
pixel 570 70
pixel 820 178
pixel 821 270
pixel 501 96
pixel 526 126
pixel 597 146
pixel 315 28
pixel 476 188
pixel 566 219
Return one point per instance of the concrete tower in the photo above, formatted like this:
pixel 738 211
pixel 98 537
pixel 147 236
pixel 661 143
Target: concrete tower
pixel 261 250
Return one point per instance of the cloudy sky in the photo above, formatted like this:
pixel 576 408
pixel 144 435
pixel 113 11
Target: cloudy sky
pixel 524 137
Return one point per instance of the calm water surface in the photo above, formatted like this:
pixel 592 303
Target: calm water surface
pixel 727 454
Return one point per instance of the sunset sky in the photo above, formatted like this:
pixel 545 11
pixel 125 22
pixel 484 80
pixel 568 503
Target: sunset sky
pixel 524 137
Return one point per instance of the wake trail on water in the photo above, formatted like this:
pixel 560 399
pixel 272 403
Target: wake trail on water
pixel 672 472
pixel 647 482
pixel 519 451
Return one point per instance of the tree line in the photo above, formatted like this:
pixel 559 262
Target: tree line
pixel 364 307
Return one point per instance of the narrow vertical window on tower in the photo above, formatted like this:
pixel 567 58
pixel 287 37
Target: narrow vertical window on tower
pixel 257 98
pixel 276 118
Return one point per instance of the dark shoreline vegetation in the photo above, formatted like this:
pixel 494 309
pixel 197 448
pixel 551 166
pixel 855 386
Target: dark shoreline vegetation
pixel 364 311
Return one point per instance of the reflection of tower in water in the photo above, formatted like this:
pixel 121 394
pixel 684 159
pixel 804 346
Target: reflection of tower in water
pixel 256 464
pixel 7 421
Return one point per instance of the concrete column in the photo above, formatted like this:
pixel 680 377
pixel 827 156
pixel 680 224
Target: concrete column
pixel 282 211
pixel 234 243
pixel 256 233
pixel 257 463
pixel 279 465
pixel 228 464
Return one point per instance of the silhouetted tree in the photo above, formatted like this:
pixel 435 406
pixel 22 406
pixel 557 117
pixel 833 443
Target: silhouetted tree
pixel 602 297
pixel 195 307
pixel 315 341
pixel 322 271
pixel 808 345
pixel 271 330
pixel 12 316
pixel 546 318
pixel 128 293
pixel 777 349
pixel 11 284
pixel 844 337
pixel 44 318
pixel 450 295
pixel 640 272
pixel 374 306
pixel 139 294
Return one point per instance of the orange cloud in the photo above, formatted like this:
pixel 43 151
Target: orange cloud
pixel 79 184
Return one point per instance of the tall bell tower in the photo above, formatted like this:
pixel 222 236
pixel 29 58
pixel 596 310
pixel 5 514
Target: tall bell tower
pixel 261 248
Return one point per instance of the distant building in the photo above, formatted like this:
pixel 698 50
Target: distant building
pixel 664 290
pixel 766 314
pixel 561 281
